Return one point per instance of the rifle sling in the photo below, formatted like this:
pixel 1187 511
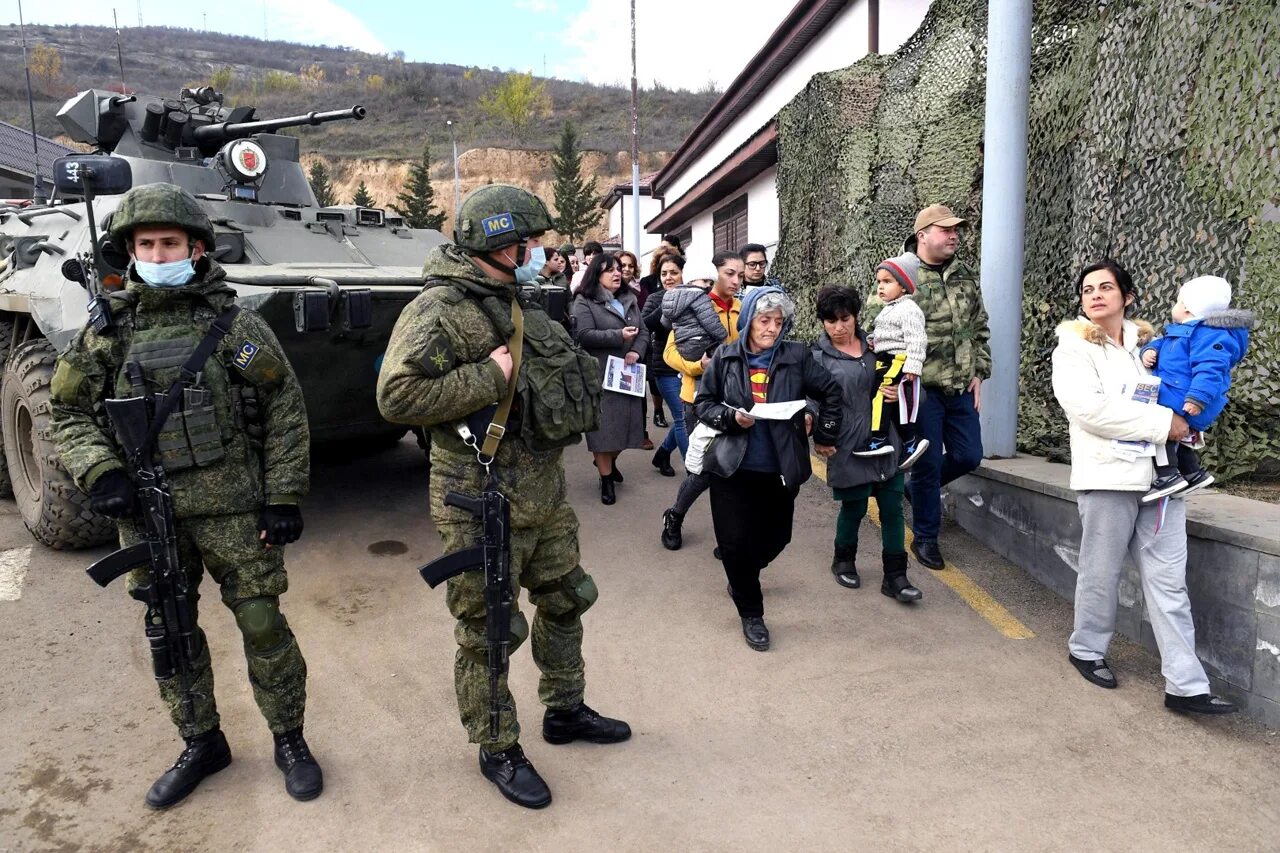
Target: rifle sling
pixel 498 426
pixel 187 374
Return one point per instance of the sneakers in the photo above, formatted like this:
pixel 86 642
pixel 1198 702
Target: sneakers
pixel 515 778
pixel 671 538
pixel 582 723
pixel 1197 481
pixel 1163 487
pixel 876 447
pixel 302 777
pixel 756 633
pixel 203 756
pixel 911 453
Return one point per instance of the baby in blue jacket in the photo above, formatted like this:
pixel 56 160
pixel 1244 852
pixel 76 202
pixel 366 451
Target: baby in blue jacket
pixel 1194 360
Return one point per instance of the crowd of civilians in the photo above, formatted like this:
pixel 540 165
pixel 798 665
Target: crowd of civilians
pixel 755 467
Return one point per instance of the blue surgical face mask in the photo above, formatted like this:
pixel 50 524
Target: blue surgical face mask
pixel 173 274
pixel 533 267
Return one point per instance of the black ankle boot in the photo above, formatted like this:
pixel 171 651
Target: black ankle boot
pixel 662 461
pixel 756 633
pixel 659 417
pixel 842 566
pixel 582 723
pixel 895 584
pixel 671 536
pixel 302 777
pixel 514 776
pixel 203 756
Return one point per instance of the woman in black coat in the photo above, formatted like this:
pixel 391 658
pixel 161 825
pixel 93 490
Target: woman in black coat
pixel 759 465
pixel 606 321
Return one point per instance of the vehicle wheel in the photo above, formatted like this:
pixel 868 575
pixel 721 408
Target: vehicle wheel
pixel 6 338
pixel 53 509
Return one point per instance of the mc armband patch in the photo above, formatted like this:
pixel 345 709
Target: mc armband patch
pixel 437 357
pixel 245 355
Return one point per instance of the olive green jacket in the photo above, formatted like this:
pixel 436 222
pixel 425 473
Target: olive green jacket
pixel 955 322
pixel 273 470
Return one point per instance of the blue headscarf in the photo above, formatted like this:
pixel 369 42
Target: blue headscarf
pixel 751 303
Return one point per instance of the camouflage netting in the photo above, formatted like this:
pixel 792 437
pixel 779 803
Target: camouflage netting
pixel 1154 139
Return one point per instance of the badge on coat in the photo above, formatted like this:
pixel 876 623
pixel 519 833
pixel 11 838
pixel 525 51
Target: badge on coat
pixel 437 357
pixel 245 355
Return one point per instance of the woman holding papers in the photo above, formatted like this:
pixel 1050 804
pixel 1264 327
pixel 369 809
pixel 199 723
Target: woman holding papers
pixel 606 322
pixel 1097 368
pixel 758 463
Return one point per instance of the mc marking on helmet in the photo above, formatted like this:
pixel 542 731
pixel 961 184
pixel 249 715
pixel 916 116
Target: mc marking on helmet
pixel 501 223
pixel 245 355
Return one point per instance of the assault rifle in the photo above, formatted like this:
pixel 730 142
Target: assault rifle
pixel 493 556
pixel 170 619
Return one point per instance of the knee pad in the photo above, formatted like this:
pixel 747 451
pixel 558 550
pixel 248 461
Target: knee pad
pixel 262 625
pixel 519 633
pixel 568 597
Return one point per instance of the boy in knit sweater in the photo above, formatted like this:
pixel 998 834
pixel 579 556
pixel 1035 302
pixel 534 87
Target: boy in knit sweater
pixel 899 341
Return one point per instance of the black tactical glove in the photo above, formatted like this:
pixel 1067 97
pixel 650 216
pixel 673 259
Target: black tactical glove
pixel 113 495
pixel 282 523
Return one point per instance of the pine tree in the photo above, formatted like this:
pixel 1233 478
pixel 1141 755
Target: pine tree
pixel 362 197
pixel 416 202
pixel 577 204
pixel 318 176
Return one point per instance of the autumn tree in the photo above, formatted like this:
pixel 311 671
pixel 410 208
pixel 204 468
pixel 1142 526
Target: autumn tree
pixel 46 65
pixel 516 102
pixel 362 198
pixel 321 185
pixel 417 201
pixel 577 204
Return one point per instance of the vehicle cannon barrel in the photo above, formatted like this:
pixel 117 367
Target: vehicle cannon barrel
pixel 213 136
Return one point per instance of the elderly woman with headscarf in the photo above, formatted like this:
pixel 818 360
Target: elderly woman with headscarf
pixel 758 466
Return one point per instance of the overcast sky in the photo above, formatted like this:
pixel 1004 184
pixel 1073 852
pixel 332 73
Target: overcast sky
pixel 682 43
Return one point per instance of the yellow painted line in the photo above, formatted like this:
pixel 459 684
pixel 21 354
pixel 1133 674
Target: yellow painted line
pixel 961 584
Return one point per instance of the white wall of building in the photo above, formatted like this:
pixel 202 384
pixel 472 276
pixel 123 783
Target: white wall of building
pixel 762 210
pixel 620 223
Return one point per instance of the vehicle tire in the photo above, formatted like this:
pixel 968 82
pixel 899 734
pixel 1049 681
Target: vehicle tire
pixel 6 339
pixel 53 509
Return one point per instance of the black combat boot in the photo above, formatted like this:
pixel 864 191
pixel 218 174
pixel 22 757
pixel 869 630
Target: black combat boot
pixel 756 633
pixel 895 584
pixel 671 537
pixel 515 777
pixel 582 723
pixel 662 461
pixel 607 496
pixel 842 566
pixel 302 777
pixel 203 756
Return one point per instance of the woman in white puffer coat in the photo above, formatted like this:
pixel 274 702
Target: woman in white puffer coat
pixel 1095 366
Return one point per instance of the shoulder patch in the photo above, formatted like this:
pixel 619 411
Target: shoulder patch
pixel 245 355
pixel 438 357
pixel 500 223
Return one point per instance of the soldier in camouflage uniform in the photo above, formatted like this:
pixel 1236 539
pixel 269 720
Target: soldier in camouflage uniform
pixel 959 358
pixel 237 466
pixel 447 362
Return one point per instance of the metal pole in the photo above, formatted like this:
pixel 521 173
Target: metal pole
pixel 873 27
pixel 37 189
pixel 635 145
pixel 124 89
pixel 1004 197
pixel 457 184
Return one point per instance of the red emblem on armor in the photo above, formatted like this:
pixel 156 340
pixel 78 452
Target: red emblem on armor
pixel 249 159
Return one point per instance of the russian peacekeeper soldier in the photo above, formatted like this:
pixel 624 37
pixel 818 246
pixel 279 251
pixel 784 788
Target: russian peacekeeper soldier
pixel 235 453
pixel 447 363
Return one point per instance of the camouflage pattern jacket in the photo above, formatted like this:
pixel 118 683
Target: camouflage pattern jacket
pixel 223 469
pixel 955 325
pixel 437 371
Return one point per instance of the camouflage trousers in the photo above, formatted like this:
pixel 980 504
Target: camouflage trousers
pixel 544 561
pixel 228 547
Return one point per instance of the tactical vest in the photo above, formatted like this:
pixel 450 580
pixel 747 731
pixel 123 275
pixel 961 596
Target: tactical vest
pixel 210 446
pixel 558 388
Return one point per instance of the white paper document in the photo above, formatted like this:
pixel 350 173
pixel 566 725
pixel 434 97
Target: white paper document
pixel 1145 390
pixel 624 378
pixel 773 411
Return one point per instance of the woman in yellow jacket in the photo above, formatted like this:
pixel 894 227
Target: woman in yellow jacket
pixel 724 296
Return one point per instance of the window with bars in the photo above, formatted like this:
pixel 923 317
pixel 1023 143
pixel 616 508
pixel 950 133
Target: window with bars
pixel 729 225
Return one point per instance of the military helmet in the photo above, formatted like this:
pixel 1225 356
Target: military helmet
pixel 498 215
pixel 160 204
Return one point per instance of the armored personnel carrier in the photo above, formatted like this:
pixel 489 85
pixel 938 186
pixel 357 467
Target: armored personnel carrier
pixel 331 281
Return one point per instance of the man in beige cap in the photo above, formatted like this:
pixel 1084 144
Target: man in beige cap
pixel 958 359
